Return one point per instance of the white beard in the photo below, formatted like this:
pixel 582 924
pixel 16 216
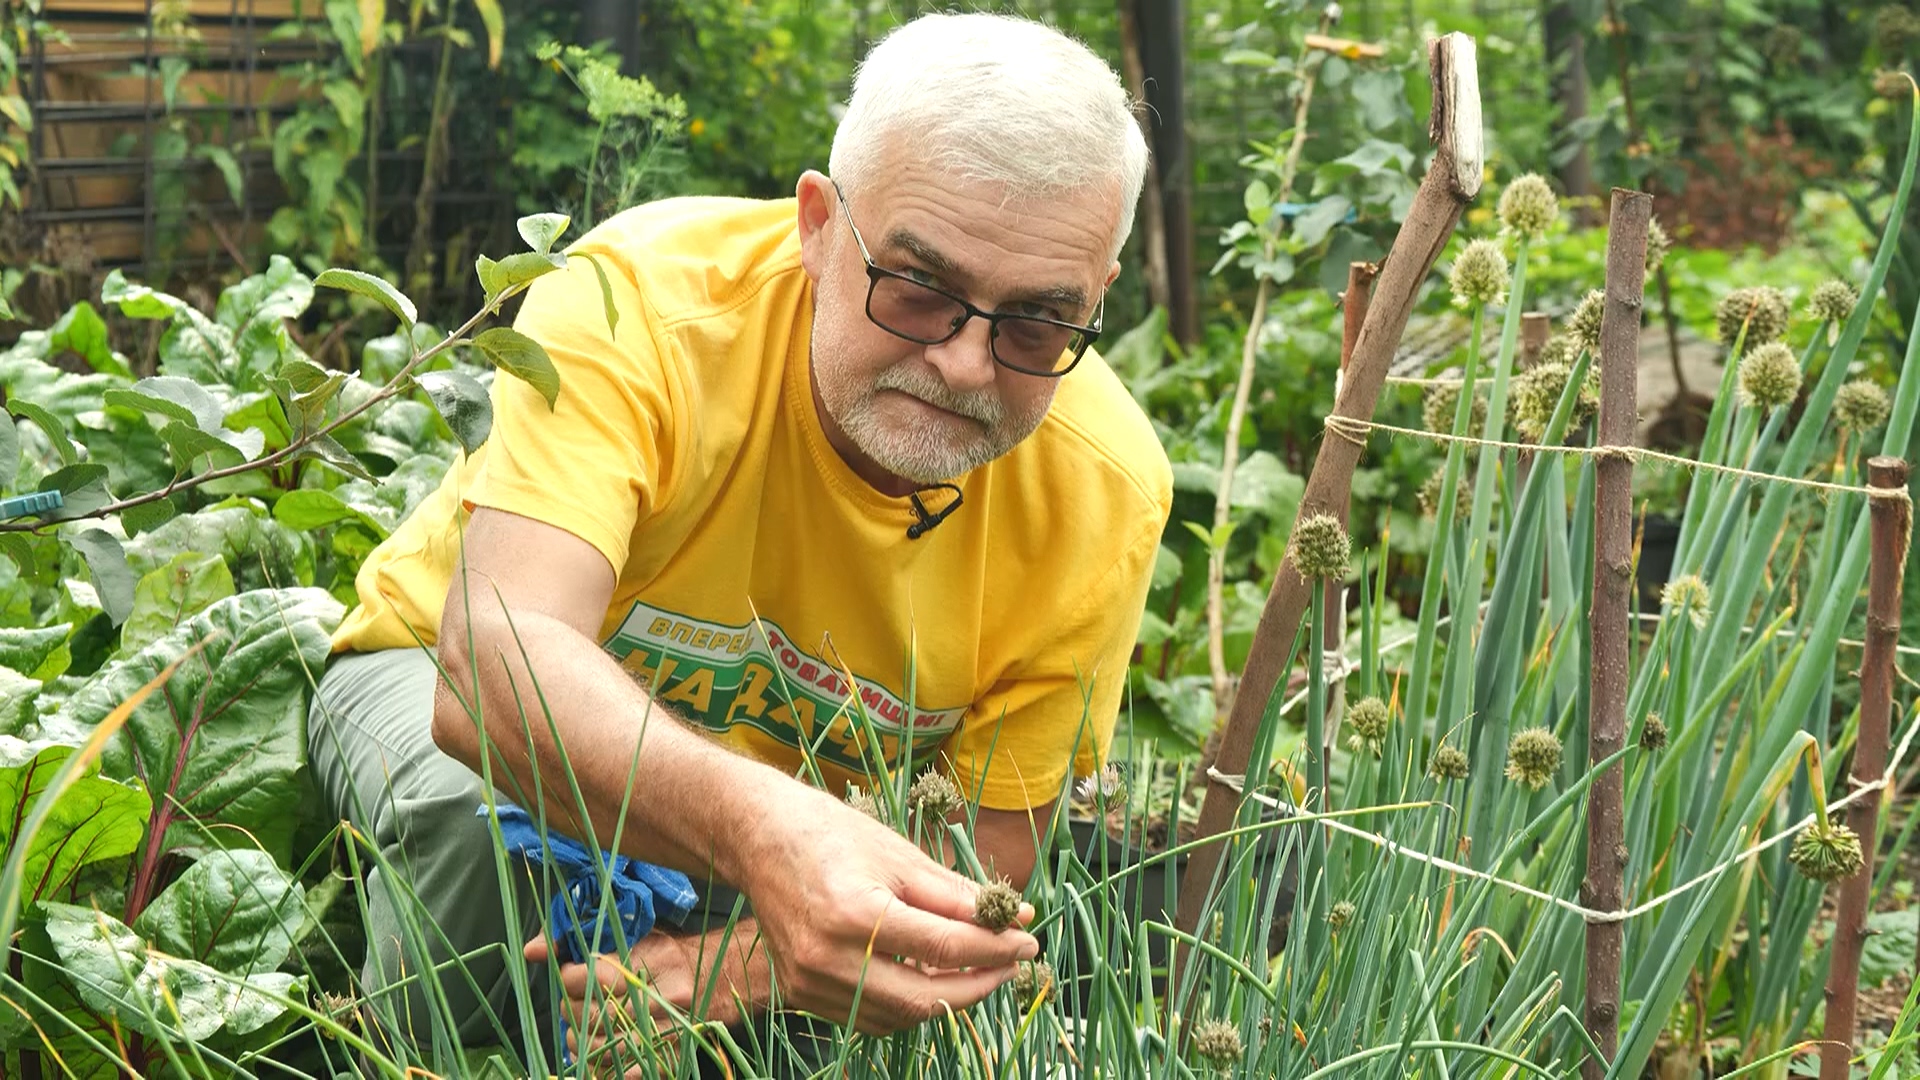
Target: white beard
pixel 930 453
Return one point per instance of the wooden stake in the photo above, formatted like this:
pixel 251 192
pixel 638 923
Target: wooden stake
pixel 1451 182
pixel 1612 592
pixel 1353 304
pixel 1535 329
pixel 1892 520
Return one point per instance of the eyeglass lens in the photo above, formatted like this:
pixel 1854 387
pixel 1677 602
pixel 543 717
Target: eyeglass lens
pixel 922 314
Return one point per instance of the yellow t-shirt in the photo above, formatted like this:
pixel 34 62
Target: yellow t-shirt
pixel 756 571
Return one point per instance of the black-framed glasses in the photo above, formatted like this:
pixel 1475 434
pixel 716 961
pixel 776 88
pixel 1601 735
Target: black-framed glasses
pixel 928 315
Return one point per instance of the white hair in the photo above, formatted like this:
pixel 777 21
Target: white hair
pixel 994 99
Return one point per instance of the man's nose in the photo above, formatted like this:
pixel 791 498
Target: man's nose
pixel 965 360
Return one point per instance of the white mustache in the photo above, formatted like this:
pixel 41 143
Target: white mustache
pixel 979 405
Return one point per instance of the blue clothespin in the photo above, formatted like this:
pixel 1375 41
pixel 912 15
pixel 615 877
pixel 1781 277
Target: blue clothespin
pixel 640 892
pixel 36 502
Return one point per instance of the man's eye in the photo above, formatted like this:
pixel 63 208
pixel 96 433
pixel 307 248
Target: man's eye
pixel 1032 311
pixel 921 276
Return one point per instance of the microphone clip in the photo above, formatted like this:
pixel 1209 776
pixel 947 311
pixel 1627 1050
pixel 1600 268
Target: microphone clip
pixel 925 521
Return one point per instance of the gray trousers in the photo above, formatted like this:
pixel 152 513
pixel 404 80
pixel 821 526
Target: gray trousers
pixel 370 746
pixel 436 896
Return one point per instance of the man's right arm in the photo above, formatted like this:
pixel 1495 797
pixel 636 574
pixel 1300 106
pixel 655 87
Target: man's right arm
pixel 824 879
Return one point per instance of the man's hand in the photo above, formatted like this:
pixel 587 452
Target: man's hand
pixel 675 971
pixel 839 896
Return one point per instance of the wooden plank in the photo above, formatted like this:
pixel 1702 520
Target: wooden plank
pixel 136 10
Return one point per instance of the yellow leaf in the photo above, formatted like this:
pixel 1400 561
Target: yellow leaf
pixel 372 13
pixel 496 29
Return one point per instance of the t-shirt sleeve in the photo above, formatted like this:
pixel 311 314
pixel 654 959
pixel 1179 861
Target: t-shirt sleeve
pixel 597 462
pixel 1056 714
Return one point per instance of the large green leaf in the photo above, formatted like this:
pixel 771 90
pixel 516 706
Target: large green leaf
pixel 517 269
pixel 171 594
pixel 221 743
pixel 95 818
pixel 311 508
pixel 34 651
pixel 9 451
pixel 29 378
pixel 136 301
pixel 54 1004
pixel 82 488
pixel 234 910
pixel 198 348
pixel 194 347
pixel 1262 483
pixel 519 355
pixel 541 230
pixel 16 700
pixel 280 292
pixel 171 396
pixel 124 441
pixel 107 563
pixel 463 402
pixel 82 331
pixel 157 995
pixel 355 281
pixel 258 550
pixel 50 425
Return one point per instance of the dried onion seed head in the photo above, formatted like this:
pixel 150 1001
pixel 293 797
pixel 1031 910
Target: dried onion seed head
pixel 1827 851
pixel 1769 376
pixel 1533 757
pixel 1528 206
pixel 1320 547
pixel 1479 275
pixel 1860 405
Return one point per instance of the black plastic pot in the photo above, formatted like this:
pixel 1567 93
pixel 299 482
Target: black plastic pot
pixel 1153 890
pixel 1659 540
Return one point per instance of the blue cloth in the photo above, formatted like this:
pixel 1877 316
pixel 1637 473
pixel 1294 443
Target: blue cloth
pixel 641 892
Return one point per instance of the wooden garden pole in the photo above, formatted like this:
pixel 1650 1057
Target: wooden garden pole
pixel 1892 520
pixel 1451 182
pixel 1612 592
pixel 1353 304
pixel 1535 329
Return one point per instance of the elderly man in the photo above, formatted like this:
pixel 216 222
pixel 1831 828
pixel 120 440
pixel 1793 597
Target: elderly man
pixel 848 483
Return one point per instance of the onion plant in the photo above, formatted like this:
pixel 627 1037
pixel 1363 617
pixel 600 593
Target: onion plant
pixel 1410 910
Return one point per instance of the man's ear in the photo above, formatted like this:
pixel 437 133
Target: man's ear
pixel 817 207
pixel 1112 272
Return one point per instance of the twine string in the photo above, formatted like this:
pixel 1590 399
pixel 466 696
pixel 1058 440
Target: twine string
pixel 1237 783
pixel 1356 430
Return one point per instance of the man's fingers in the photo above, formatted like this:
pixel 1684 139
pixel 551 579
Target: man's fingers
pixel 940 891
pixel 894 996
pixel 944 892
pixel 949 943
pixel 537 950
pixel 606 970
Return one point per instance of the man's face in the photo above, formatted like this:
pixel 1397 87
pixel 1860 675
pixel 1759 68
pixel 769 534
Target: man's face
pixel 899 410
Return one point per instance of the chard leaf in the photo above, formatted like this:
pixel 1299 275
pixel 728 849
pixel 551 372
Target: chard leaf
pixel 96 818
pixel 236 911
pixel 169 595
pixel 163 997
pixel 223 737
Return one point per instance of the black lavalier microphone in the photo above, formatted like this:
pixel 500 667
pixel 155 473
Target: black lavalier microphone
pixel 926 520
